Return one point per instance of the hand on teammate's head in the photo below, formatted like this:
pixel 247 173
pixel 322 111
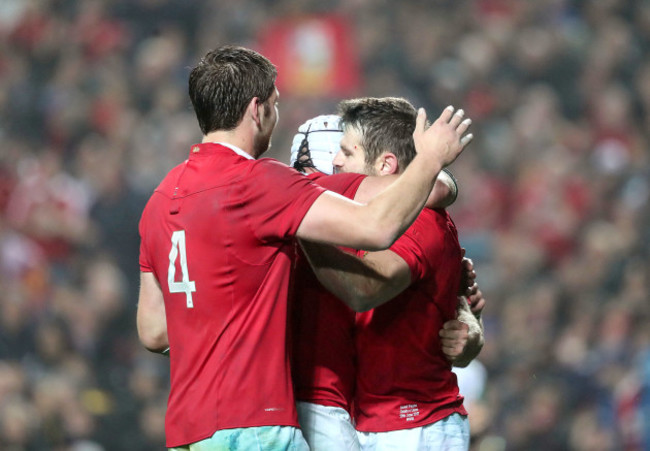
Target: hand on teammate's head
pixel 446 138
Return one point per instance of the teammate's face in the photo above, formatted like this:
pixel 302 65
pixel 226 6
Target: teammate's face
pixel 352 156
pixel 268 121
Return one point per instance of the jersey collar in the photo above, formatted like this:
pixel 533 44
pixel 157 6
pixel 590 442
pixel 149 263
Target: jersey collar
pixel 235 149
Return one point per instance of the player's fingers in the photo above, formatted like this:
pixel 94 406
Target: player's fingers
pixel 476 299
pixel 478 306
pixel 448 335
pixel 464 125
pixel 462 252
pixel 470 279
pixel 420 121
pixel 450 348
pixel 465 140
pixel 457 118
pixel 446 114
pixel 471 290
pixel 452 351
pixel 476 296
pixel 452 324
pixel 453 339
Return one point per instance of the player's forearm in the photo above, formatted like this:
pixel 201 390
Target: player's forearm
pixel 475 340
pixel 442 195
pixel 349 278
pixel 395 208
pixel 151 319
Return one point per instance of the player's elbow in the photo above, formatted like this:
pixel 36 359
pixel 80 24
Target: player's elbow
pixel 364 298
pixel 380 237
pixel 360 303
pixel 154 339
pixel 154 343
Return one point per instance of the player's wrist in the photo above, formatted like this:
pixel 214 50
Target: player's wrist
pixel 427 164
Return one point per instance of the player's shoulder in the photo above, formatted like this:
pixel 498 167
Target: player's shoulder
pixel 346 184
pixel 166 185
pixel 430 226
pixel 273 167
pixel 268 171
pixel 433 216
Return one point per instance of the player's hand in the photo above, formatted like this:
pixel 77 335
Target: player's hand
pixel 476 300
pixel 453 338
pixel 469 288
pixel 446 138
pixel 467 275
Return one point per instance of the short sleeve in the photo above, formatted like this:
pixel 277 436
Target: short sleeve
pixel 277 198
pixel 420 246
pixel 144 259
pixel 345 184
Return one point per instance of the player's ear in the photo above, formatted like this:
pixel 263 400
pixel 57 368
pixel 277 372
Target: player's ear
pixel 255 110
pixel 388 164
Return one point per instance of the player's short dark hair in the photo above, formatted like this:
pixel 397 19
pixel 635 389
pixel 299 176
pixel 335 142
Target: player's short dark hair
pixel 224 82
pixel 386 125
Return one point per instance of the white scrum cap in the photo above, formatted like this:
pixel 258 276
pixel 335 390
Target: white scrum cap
pixel 323 135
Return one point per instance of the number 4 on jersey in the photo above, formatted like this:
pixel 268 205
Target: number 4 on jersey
pixel 186 285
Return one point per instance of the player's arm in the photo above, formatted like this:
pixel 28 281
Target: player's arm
pixel 362 283
pixel 443 194
pixel 463 338
pixel 150 317
pixel 376 225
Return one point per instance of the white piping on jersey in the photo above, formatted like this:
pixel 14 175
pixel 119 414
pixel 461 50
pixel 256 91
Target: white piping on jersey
pixel 237 150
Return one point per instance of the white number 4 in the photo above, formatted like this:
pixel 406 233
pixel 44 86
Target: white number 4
pixel 185 285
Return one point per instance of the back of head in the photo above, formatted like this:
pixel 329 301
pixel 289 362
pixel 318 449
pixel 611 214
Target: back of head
pixel 386 125
pixel 223 83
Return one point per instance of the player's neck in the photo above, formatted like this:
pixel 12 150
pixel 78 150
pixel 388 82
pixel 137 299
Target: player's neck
pixel 233 137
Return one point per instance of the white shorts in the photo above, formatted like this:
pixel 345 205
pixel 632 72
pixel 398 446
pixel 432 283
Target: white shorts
pixel 266 438
pixel 327 428
pixel 449 434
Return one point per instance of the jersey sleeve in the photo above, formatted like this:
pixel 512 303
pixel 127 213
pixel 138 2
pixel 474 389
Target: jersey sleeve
pixel 278 199
pixel 420 246
pixel 345 184
pixel 144 259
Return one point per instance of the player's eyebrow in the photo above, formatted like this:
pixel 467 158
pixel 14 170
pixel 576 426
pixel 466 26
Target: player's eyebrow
pixel 345 148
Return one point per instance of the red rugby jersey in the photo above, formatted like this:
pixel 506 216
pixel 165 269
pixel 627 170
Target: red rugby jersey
pixel 403 378
pixel 323 360
pixel 217 233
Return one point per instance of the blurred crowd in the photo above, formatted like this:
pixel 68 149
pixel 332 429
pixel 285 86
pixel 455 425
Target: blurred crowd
pixel 553 205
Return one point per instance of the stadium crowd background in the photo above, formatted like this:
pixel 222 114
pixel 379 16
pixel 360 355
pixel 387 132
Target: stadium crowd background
pixel 553 204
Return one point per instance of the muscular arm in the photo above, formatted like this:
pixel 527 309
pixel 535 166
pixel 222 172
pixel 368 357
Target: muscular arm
pixel 151 319
pixel 442 195
pixel 376 225
pixel 362 284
